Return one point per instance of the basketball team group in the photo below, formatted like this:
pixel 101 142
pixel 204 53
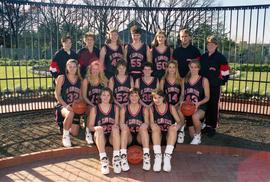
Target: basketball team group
pixel 139 95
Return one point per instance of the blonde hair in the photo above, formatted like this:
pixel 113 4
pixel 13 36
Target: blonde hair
pixel 177 75
pixel 155 42
pixel 188 76
pixel 77 65
pixel 108 40
pixel 101 77
pixel 212 39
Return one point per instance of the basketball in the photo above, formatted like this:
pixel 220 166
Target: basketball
pixel 79 107
pixel 188 108
pixel 135 154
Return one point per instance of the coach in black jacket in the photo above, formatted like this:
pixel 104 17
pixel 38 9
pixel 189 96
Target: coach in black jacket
pixel 214 66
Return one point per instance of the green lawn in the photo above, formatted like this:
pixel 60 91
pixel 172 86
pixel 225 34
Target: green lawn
pixel 14 73
pixel 239 84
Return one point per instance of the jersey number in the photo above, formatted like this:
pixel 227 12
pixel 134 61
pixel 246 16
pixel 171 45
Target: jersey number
pixel 136 63
pixel 161 65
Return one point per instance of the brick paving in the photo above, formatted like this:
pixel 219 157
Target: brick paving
pixel 186 167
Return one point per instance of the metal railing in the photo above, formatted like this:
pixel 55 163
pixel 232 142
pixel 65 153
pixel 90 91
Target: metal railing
pixel 31 32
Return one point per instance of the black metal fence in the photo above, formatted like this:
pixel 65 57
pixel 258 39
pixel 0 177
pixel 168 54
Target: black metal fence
pixel 31 32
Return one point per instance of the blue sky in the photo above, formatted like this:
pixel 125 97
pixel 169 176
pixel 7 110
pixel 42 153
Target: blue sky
pixel 240 2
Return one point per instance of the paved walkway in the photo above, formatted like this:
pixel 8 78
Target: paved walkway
pixel 186 167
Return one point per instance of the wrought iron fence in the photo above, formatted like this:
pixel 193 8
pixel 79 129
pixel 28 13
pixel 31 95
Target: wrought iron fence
pixel 31 32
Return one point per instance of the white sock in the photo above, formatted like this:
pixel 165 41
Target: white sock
pixel 169 149
pixel 146 150
pixel 157 149
pixel 123 151
pixel 87 130
pixel 102 155
pixel 65 132
pixel 116 153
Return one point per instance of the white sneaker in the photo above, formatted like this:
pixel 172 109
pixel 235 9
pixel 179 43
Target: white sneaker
pixel 167 163
pixel 89 138
pixel 124 162
pixel 116 164
pixel 196 139
pixel 66 141
pixel 203 125
pixel 180 137
pixel 146 162
pixel 104 162
pixel 157 163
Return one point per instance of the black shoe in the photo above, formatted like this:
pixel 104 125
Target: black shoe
pixel 61 130
pixel 210 131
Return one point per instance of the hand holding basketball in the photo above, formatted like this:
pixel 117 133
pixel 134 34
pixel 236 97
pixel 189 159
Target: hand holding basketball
pixel 79 107
pixel 188 108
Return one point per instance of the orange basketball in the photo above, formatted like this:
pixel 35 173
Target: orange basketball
pixel 188 108
pixel 79 107
pixel 135 154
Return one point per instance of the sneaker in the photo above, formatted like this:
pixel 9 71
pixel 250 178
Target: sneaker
pixel 146 162
pixel 104 162
pixel 196 139
pixel 157 163
pixel 89 139
pixel 181 136
pixel 116 164
pixel 203 125
pixel 167 163
pixel 124 162
pixel 66 141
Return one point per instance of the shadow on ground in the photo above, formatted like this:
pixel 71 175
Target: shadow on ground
pixel 32 132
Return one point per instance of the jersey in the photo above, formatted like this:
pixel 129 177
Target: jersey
pixel 194 92
pixel 146 90
pixel 111 58
pixel 121 90
pixel 106 120
pixel 163 120
pixel 135 60
pixel 134 121
pixel 160 61
pixel 93 93
pixel 172 92
pixel 70 91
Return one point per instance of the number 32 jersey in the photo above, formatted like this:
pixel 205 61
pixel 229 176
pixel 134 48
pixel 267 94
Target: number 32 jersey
pixel 70 91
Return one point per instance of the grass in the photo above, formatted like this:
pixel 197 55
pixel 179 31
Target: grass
pixel 18 76
pixel 251 85
pixel 34 81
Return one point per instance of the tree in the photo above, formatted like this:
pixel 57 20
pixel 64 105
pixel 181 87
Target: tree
pixel 169 20
pixel 15 18
pixel 104 19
